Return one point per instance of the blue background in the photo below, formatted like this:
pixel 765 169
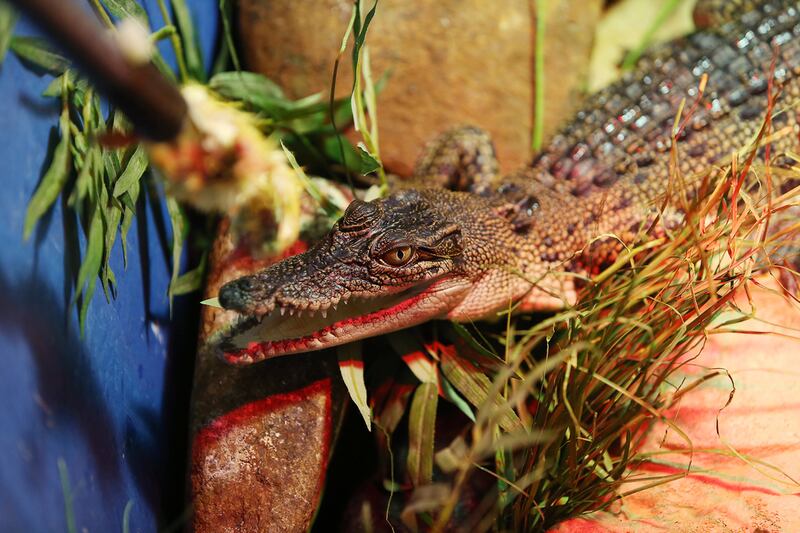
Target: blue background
pixel 112 405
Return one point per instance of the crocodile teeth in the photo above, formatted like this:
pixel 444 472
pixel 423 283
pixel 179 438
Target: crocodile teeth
pixel 324 313
pixel 283 311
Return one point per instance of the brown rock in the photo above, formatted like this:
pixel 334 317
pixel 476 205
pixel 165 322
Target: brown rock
pixel 451 62
pixel 247 474
pixel 569 38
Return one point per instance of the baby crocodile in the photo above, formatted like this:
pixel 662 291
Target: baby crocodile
pixel 426 252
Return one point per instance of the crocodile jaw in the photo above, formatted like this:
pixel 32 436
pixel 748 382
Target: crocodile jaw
pixel 255 338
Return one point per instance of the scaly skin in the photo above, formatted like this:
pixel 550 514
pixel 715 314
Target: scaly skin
pixel 425 253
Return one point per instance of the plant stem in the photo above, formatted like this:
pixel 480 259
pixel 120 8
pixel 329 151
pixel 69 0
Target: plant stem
pixel 538 82
pixel 101 12
pixel 633 56
pixel 162 33
pixel 176 42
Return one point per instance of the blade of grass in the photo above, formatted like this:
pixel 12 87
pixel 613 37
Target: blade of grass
pixel 132 173
pixel 226 13
pixel 539 79
pixel 177 46
pixel 421 423
pixel 38 52
pixel 8 19
pixel 55 177
pixel 179 231
pixel 66 490
pixel 632 57
pixel 351 366
pixel 193 56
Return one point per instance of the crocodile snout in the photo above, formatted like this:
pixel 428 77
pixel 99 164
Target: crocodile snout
pixel 240 294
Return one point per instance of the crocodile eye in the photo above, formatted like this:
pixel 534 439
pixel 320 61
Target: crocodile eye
pixel 398 256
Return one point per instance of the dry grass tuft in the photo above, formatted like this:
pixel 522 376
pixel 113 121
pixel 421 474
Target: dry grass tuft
pixel 561 414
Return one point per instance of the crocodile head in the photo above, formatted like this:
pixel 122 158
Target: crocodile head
pixel 385 265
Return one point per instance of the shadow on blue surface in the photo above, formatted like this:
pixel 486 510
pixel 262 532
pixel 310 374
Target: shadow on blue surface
pixel 111 404
pixel 67 386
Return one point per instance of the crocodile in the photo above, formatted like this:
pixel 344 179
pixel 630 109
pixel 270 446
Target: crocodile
pixel 458 242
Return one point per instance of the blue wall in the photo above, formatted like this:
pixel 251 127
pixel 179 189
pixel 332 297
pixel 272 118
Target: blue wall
pixel 112 405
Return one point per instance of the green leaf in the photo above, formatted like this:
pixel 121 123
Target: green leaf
pixel 335 145
pixel 53 180
pixel 179 230
pixel 132 172
pixel 122 9
pixel 239 85
pixel 369 163
pixel 66 490
pixel 37 52
pixel 192 280
pixel 211 302
pixel 129 212
pixel 474 385
pixel 472 341
pixel 55 87
pixel 90 267
pixel 112 213
pixel 83 182
pixel 421 425
pixel 111 165
pixel 8 18
pixel 451 394
pixel 191 46
pixel 360 31
pixel 253 89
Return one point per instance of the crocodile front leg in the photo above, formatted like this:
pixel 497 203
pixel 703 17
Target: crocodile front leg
pixel 460 159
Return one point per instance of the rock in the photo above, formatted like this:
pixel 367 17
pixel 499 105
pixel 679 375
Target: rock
pixel 261 435
pixel 451 62
pixel 569 39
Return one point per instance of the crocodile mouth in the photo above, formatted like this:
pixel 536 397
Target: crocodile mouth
pixel 283 331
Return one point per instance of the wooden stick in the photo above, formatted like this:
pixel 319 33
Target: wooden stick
pixel 151 102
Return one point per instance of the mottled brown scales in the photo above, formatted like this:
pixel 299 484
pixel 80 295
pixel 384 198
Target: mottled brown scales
pixel 427 252
pixel 458 159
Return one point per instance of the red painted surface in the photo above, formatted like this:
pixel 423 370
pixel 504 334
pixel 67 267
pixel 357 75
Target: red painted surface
pixel 355 363
pixel 733 486
pixel 221 426
pixel 753 408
